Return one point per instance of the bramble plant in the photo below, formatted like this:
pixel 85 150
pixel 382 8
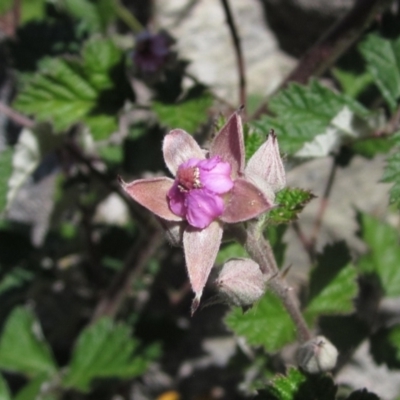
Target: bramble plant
pixel 147 223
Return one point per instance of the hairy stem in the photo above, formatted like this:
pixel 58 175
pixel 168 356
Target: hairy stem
pixel 238 52
pixel 261 252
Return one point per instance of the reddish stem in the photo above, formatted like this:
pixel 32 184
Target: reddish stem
pixel 238 52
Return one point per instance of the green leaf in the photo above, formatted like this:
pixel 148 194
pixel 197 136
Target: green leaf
pixel 104 350
pixel 5 173
pixel 22 345
pixel 303 112
pixel 383 258
pixel 383 63
pixel 385 347
pixel 369 148
pixel 275 236
pixel 67 91
pixel 93 17
pixel 16 278
pixel 266 324
pixel 230 250
pixel 36 390
pixel 187 115
pixel 33 10
pixel 4 391
pixel 291 202
pixel 392 172
pixel 296 385
pixel 333 283
pixel 352 83
pixel 253 140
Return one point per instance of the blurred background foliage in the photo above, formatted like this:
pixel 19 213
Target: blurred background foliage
pixel 94 302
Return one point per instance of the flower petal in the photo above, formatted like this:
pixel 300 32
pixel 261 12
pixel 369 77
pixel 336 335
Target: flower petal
pixel 215 175
pixel 266 163
pixel 177 200
pixel 201 248
pixel 179 147
pixel 203 207
pixel 152 194
pixel 228 144
pixel 246 201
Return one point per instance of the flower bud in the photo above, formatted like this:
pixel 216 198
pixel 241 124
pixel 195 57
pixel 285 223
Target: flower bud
pixel 241 282
pixel 317 355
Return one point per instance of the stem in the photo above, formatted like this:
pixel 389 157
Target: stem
pixel 303 240
pixel 322 208
pixel 135 262
pixel 261 252
pixel 238 52
pixel 16 116
pixel 125 15
pixel 333 44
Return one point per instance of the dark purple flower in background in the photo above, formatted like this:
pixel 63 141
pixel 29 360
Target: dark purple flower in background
pixel 151 51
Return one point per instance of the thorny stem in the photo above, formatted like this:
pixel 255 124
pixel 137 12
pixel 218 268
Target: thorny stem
pixel 333 44
pixel 238 52
pixel 261 252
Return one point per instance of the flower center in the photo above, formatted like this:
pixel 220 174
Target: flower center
pixel 189 178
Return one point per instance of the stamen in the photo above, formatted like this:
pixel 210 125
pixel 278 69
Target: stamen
pixel 189 178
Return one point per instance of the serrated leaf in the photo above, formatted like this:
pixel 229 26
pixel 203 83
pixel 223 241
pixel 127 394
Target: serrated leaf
pixel 187 115
pixel 352 83
pixel 295 385
pixel 336 298
pixel 16 278
pixel 104 350
pixel 23 348
pixel 33 390
pixel 231 250
pixel 392 172
pixel 383 257
pixel 344 126
pixel 369 148
pixel 5 173
pixel 67 91
pixel 4 391
pixel 333 283
pixel 303 112
pixel 290 202
pixel 385 347
pixel 275 236
pixel 266 324
pixel 93 16
pixel 252 140
pixel 383 63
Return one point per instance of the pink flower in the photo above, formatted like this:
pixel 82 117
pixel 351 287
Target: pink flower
pixel 196 192
pixel 207 192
